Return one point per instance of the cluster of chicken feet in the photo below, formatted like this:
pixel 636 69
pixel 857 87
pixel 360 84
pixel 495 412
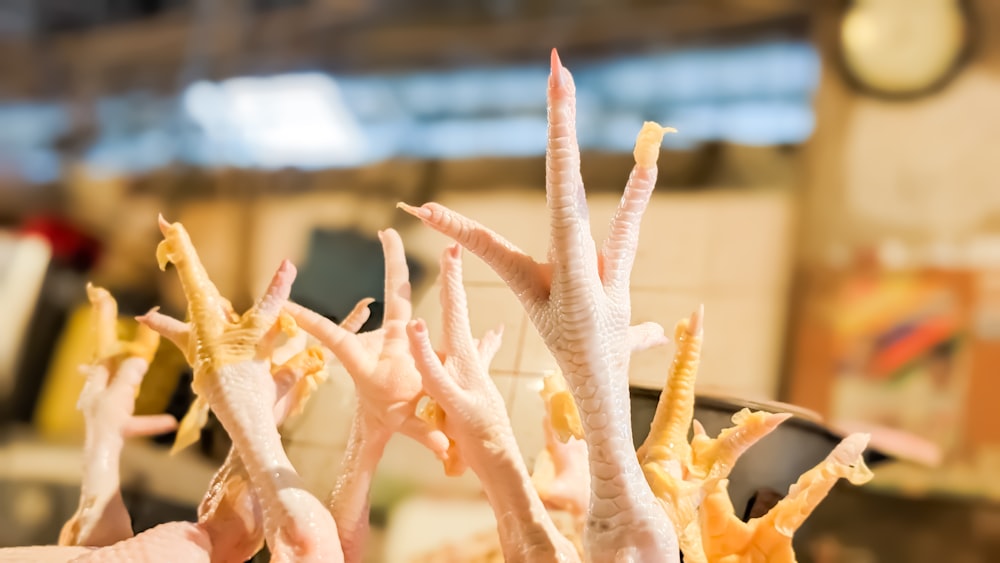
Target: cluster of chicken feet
pixel 591 496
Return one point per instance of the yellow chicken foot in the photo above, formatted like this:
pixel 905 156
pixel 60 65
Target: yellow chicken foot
pixel 768 539
pixel 232 373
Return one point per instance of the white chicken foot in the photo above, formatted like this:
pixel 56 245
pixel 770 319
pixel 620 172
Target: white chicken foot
pixel 579 303
pixel 474 417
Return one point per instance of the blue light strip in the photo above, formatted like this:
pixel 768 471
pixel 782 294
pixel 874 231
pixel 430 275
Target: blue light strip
pixel 756 94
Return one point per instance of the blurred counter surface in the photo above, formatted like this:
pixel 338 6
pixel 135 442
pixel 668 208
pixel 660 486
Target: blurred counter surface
pixel 40 485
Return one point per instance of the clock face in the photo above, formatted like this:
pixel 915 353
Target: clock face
pixel 903 47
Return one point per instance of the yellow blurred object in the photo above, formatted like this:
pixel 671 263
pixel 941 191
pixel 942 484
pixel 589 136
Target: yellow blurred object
pixel 562 410
pixel 56 416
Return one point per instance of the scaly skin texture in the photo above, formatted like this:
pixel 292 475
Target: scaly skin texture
pixel 107 402
pixel 388 389
pixel 230 512
pixel 579 303
pixel 232 373
pixel 476 419
pixel 768 539
pixel 682 473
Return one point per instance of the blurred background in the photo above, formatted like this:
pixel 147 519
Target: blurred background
pixel 828 197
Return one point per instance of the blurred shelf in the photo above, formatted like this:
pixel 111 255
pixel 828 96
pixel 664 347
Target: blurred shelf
pixel 153 53
pixel 147 470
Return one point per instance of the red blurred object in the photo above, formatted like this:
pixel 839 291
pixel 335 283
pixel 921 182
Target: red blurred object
pixel 918 343
pixel 70 245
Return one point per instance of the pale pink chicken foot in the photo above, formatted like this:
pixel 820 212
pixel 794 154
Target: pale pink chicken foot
pixel 579 303
pixel 107 403
pixel 230 513
pixel 474 417
pixel 173 541
pixel 388 388
pixel 236 382
pixel 350 501
pixel 170 542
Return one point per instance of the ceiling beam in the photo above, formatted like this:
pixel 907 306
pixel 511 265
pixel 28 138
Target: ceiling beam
pixel 153 54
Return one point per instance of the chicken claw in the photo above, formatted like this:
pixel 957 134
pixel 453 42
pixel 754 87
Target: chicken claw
pixel 579 303
pixel 668 433
pixel 230 354
pixel 230 513
pixel 388 387
pixel 681 473
pixel 768 539
pixel 474 416
pixel 107 402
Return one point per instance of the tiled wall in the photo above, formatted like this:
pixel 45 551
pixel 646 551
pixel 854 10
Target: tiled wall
pixel 729 250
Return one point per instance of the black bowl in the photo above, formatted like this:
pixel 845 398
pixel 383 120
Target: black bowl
pixel 765 472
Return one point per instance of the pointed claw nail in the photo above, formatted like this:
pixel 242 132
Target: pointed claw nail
pixel 164 224
pixel 418 212
pixel 697 320
pixel 699 429
pixel 556 77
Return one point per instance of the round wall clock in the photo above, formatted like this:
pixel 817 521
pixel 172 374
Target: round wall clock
pixel 903 48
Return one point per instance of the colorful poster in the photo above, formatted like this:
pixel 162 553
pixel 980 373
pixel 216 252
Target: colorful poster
pixel 898 347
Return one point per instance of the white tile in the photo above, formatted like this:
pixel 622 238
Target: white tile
pixel 427 306
pixel 534 354
pixel 602 208
pixel 743 341
pixel 318 466
pixel 673 243
pixel 489 307
pixel 407 464
pixel 507 386
pixel 526 412
pixel 649 368
pixel 327 417
pixel 751 242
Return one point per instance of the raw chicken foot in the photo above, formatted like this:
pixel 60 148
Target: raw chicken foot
pixel 388 389
pixel 579 302
pixel 107 402
pixel 234 376
pixel 680 473
pixel 768 539
pixel 230 512
pixel 476 419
